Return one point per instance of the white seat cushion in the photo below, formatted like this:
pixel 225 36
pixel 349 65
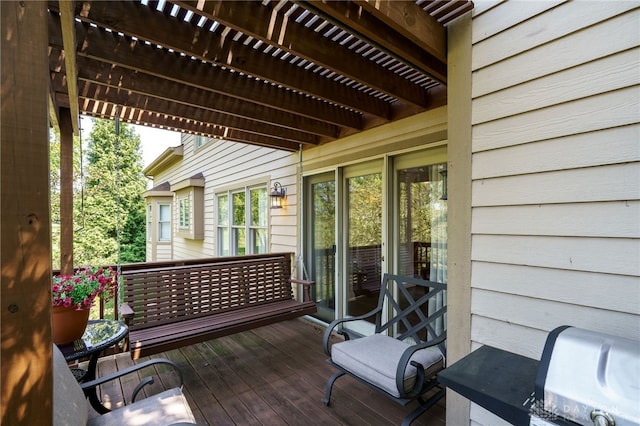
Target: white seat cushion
pixel 375 359
pixel 165 408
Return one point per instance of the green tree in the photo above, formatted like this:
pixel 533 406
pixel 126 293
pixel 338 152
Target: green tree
pixel 54 179
pixel 54 183
pixel 113 203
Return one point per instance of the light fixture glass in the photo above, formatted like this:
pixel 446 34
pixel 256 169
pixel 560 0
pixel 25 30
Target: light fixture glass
pixel 277 194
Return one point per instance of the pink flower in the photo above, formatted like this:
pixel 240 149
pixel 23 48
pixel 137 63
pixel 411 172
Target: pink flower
pixel 82 288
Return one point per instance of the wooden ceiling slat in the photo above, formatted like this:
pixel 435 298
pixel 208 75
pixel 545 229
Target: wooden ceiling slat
pixel 405 39
pixel 148 24
pixel 133 100
pixel 114 76
pixel 275 29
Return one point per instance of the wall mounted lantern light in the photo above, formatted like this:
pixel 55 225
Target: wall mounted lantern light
pixel 277 194
pixel 443 173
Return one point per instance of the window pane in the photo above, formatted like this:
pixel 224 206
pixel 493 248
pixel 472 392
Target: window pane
pixel 184 212
pixel 259 240
pixel 165 212
pixel 164 231
pixel 239 241
pixel 223 210
pixel 238 208
pixel 259 207
pixel 223 242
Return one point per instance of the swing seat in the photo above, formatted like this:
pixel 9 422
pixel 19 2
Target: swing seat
pixel 170 307
pixel 403 367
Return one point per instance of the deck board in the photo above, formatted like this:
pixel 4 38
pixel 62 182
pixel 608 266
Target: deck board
pixel 272 375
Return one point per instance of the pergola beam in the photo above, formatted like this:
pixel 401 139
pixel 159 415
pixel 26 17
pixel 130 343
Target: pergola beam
pixel 67 21
pixel 408 19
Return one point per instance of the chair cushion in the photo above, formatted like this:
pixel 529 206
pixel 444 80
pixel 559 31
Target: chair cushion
pixel 166 408
pixel 375 359
pixel 69 403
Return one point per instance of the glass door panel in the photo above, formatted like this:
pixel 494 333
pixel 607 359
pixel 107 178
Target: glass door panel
pixel 322 244
pixel 421 230
pixel 363 252
pixel 422 222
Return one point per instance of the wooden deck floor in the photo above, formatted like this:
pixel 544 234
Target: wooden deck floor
pixel 273 375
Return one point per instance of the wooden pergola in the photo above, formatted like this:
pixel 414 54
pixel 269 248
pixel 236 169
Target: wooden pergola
pixel 284 74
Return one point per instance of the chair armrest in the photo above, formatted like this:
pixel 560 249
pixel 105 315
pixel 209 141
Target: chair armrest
pixel 329 330
pixel 127 313
pixel 306 294
pixel 404 361
pixel 129 370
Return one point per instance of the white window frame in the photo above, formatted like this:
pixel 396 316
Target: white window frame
pixel 201 141
pixel 226 229
pixel 149 222
pixel 160 222
pixel 184 212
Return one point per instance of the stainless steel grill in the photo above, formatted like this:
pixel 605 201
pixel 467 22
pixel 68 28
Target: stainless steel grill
pixel 587 378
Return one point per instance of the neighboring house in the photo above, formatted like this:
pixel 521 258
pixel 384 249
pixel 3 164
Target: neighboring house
pixel 540 144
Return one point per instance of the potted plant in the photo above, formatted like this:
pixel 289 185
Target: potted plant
pixel 73 297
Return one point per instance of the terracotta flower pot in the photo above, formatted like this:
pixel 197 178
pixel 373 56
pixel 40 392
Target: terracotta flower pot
pixel 68 324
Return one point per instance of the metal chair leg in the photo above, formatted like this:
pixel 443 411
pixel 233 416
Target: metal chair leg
pixel 424 406
pixel 327 393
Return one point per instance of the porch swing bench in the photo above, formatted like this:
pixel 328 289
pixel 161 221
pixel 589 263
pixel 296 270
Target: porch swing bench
pixel 404 367
pixel 169 307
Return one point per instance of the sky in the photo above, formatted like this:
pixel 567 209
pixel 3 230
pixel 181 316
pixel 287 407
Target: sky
pixel 153 141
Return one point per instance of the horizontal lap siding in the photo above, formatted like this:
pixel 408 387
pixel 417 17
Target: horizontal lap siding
pixel 556 172
pixel 227 165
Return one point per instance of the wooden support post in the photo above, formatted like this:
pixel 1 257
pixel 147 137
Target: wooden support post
pixel 66 191
pixel 26 387
pixel 459 181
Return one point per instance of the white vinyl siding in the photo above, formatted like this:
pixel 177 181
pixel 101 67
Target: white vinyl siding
pixel 224 164
pixel 556 172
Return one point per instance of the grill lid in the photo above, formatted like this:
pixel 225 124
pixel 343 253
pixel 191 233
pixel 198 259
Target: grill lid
pixel 583 372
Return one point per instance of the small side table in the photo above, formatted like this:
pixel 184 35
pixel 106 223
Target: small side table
pixel 499 381
pixel 99 335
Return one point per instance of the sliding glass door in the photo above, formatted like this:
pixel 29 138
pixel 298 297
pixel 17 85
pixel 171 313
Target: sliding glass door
pixel 365 219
